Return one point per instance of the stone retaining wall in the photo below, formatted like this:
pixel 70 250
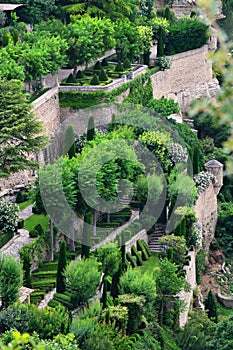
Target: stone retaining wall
pixel 188 296
pixel 47 110
pixel 190 77
pixel 207 214
pixel 140 235
pixel 106 88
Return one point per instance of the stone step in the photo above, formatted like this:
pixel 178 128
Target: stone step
pixel 153 239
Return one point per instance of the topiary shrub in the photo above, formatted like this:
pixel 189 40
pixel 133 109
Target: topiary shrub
pixel 103 76
pixel 104 63
pixel 135 253
pixel 131 259
pixel 20 223
pixel 79 74
pixel 39 229
pixel 71 79
pixel 119 68
pixel 98 66
pixel 126 63
pixel 146 248
pixel 95 80
pixel 19 197
pixel 33 233
pixel 141 248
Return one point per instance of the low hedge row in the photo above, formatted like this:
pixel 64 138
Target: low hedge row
pixel 5 237
pixel 48 266
pixel 141 248
pixel 131 259
pixel 64 300
pixel 137 254
pixel 37 296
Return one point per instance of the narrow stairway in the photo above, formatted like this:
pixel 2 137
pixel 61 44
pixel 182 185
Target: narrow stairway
pixel 153 239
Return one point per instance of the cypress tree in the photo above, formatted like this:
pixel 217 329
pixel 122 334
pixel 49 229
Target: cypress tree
pixel 119 68
pixel 167 14
pixel 62 261
pixel 196 161
pixel 27 271
pixel 104 63
pixel 115 283
pixel 160 51
pixel 98 66
pixel 104 295
pixel 79 75
pixel 85 253
pixel 95 80
pixel 103 76
pixel 170 254
pixel 71 79
pixel 90 128
pixel 211 307
pixel 126 63
pixel 123 257
pixel 69 146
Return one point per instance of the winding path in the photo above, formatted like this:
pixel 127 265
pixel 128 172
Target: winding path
pixel 21 238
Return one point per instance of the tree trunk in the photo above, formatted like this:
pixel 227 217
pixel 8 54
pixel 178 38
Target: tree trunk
pixel 71 240
pixel 51 239
pixel 108 218
pixel 94 223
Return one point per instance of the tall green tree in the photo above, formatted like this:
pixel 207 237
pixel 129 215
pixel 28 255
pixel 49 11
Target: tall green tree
pixel 90 128
pixel 82 277
pixel 19 133
pixel 10 279
pixel 160 49
pixel 168 284
pixel 69 142
pixel 88 38
pixel 210 306
pixel 62 262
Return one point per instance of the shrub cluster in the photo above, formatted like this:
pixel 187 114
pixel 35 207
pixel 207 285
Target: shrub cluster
pixel 186 34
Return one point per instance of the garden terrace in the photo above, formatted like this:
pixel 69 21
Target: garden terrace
pixel 114 81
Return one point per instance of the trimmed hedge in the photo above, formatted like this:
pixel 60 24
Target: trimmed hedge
pixel 184 35
pixel 137 254
pixel 44 274
pixel 64 300
pixel 146 248
pixel 5 237
pixel 37 296
pixel 48 266
pixel 141 248
pixel 54 303
pixel 131 259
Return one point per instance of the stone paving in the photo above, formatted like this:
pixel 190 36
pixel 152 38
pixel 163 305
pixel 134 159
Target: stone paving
pixel 47 298
pixel 26 213
pixel 16 243
pixel 21 238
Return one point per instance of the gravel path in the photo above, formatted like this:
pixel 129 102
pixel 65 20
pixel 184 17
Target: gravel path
pixel 26 213
pixel 49 295
pixel 47 298
pixel 21 238
pixel 16 243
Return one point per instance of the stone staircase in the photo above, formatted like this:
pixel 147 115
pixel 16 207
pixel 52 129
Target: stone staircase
pixel 153 239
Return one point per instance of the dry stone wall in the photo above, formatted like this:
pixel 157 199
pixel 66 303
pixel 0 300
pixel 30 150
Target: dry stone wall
pixel 190 77
pixel 47 110
pixel 206 213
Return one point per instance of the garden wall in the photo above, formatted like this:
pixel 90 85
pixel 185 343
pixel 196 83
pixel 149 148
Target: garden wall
pixel 190 77
pixel 140 235
pixel 47 110
pixel 188 296
pixel 207 214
